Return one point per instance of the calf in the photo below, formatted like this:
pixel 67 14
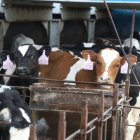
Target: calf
pixel 66 66
pixel 26 64
pixel 15 116
pixel 120 78
pixel 100 41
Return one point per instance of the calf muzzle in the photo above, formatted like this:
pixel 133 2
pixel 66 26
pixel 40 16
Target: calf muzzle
pixel 104 79
pixel 23 72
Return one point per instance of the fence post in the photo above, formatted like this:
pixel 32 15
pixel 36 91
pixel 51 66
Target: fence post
pixel 62 126
pixel 125 109
pixel 114 112
pixel 84 119
pixel 100 114
pixel 33 133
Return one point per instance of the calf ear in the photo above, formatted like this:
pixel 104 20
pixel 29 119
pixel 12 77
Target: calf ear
pixel 93 55
pixel 133 60
pixel 3 55
pixel 47 49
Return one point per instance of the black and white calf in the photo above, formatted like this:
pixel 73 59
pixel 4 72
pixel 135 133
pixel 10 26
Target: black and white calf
pixel 25 60
pixel 15 116
pixel 15 113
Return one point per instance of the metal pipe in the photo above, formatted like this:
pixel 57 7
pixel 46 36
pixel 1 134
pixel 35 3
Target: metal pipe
pixel 130 49
pixel 100 114
pixel 119 39
pixel 62 126
pixel 105 130
pixel 128 106
pixel 80 82
pixel 114 112
pixel 90 130
pixel 84 120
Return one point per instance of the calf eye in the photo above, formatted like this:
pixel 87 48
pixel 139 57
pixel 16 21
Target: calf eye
pixel 32 57
pixel 97 62
pixel 117 65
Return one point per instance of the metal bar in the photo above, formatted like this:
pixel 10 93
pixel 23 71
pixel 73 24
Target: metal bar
pixel 33 133
pixel 62 126
pixel 90 130
pixel 2 35
pixel 59 32
pixel 130 49
pixel 127 83
pixel 87 22
pixel 120 126
pixel 128 106
pixel 117 128
pixel 91 135
pixel 105 130
pixel 19 87
pixel 73 135
pixel 133 125
pixel 80 82
pixel 125 110
pixel 24 94
pixel 106 118
pixel 100 115
pixel 114 112
pixel 94 29
pixel 84 120
pixel 49 30
pixel 119 39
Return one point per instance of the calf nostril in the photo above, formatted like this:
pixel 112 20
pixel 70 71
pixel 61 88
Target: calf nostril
pixel 101 78
pixel 21 69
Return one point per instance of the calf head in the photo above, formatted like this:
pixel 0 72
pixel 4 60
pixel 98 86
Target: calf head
pixel 107 63
pixel 26 59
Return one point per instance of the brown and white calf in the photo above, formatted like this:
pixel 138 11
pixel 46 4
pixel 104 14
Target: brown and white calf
pixel 100 41
pixel 66 66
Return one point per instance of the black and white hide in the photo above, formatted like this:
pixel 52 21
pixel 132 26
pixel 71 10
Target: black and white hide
pixel 15 117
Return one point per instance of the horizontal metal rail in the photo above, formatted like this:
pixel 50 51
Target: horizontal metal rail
pixel 68 81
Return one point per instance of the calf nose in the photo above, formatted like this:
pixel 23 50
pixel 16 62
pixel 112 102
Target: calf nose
pixel 21 69
pixel 105 78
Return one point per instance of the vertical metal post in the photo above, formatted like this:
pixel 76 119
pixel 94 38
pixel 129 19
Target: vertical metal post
pixel 125 110
pixel 59 32
pixel 94 30
pixel 100 114
pixel 49 31
pixel 91 135
pixel 127 82
pixel 130 49
pixel 62 126
pixel 33 133
pixel 2 35
pixel 118 124
pixel 87 21
pixel 114 112
pixel 24 94
pixel 105 130
pixel 84 120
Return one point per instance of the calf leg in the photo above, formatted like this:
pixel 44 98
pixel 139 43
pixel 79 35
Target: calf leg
pixel 132 120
